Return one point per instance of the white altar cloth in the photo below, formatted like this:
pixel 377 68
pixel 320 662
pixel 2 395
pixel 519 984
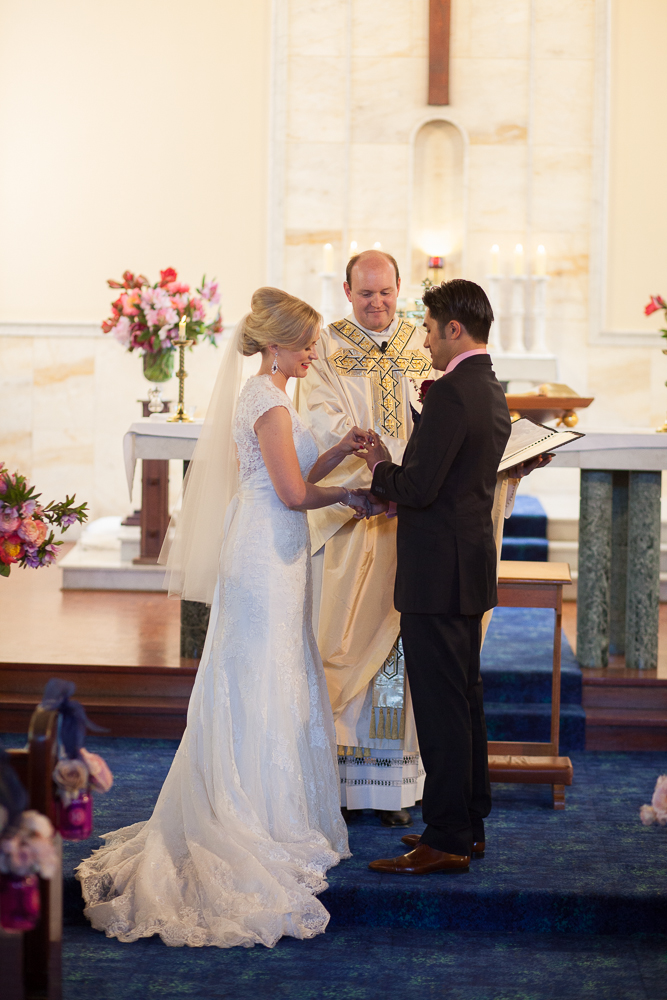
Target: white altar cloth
pixel 626 450
pixel 153 437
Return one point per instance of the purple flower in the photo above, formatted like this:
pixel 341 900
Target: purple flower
pixel 28 508
pixel 32 558
pixel 67 519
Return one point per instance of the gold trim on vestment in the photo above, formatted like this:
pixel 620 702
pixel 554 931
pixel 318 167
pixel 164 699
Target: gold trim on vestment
pixel 384 368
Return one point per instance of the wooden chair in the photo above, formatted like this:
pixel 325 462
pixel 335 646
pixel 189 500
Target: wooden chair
pixel 31 963
pixel 535 585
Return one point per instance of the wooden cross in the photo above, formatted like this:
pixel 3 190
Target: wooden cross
pixel 438 51
pixel 384 368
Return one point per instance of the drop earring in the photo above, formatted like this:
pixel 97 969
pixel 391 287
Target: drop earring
pixel 274 366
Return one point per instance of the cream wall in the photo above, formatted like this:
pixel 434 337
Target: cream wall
pixel 131 135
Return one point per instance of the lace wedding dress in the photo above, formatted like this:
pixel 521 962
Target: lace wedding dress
pixel 248 820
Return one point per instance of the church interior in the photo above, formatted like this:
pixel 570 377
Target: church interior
pixel 516 144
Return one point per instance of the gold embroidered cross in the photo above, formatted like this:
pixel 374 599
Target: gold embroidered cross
pixel 385 369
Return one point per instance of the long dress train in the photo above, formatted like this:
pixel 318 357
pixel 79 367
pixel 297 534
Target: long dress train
pixel 248 820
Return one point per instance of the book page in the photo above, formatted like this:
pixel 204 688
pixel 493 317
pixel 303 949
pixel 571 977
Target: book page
pixel 529 439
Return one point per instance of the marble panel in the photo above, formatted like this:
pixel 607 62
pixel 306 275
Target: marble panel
pixel 499 29
pixel 497 188
pixel 378 189
pixel 314 185
pixel 564 102
pixel 562 188
pixel 620 380
pixel 316 99
pixel 564 29
pixel 63 417
pixel 385 95
pixel 394 28
pixel 491 96
pixel 16 364
pixel 317 27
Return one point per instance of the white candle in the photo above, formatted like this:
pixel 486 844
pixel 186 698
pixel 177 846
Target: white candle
pixel 354 247
pixel 377 246
pixel 495 259
pixel 541 262
pixel 518 260
pixel 328 258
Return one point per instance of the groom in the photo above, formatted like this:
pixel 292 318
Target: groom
pixel 446 571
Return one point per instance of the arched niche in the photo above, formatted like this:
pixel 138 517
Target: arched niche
pixel 438 199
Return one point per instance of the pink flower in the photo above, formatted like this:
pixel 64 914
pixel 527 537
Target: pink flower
pixel 122 331
pixel 33 531
pixel 198 309
pixel 11 549
pixel 9 522
pixel 71 776
pixel 210 292
pixel 657 811
pixel 31 848
pixel 167 276
pixel 656 303
pixel 177 288
pixel 101 777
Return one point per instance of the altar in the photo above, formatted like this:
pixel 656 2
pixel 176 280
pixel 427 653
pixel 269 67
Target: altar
pixel 619 544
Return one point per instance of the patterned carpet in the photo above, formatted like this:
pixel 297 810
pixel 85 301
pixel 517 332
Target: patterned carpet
pixel 564 905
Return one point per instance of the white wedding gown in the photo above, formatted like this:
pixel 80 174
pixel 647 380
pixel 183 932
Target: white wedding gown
pixel 248 820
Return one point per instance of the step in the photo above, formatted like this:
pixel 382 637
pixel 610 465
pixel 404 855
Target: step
pixel 525 549
pixel 532 723
pixel 626 729
pixel 528 519
pixel 93 680
pixel 530 685
pixel 625 696
pixel 153 718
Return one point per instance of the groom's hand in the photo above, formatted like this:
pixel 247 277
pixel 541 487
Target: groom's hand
pixel 525 468
pixel 376 450
pixel 373 505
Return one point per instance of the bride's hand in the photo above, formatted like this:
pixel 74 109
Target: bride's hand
pixel 355 440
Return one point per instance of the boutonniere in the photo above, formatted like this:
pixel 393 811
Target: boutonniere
pixel 422 388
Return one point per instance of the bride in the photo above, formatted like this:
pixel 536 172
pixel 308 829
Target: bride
pixel 248 820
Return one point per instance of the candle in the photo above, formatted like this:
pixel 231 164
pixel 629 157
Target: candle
pixel 518 260
pixel 182 323
pixel 377 246
pixel 354 248
pixel 328 258
pixel 541 262
pixel 495 259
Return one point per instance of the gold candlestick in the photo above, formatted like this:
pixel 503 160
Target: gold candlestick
pixel 181 417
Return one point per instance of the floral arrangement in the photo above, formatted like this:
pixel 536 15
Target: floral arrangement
pixel 657 811
pixel 73 776
pixel 145 317
pixel 25 536
pixel 657 302
pixel 26 837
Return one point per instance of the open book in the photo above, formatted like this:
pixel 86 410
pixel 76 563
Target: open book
pixel 530 439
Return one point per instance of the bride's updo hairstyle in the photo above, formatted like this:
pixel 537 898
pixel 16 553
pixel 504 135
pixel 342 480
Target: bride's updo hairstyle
pixel 278 318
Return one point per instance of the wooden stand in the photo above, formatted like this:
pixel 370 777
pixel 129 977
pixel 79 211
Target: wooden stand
pixel 154 514
pixel 535 585
pixel 31 963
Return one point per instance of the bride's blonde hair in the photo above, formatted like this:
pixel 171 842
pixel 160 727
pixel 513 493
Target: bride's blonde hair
pixel 278 318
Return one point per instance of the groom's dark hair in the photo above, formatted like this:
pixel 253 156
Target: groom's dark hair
pixel 463 301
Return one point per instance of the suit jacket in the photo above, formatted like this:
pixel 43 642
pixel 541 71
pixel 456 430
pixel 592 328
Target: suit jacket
pixel 444 488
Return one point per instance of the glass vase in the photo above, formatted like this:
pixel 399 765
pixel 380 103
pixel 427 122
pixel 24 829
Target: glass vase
pixel 19 902
pixel 159 367
pixel 75 821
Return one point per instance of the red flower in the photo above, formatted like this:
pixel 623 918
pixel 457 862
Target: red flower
pixel 11 549
pixel 424 387
pixel 167 276
pixel 114 284
pixel 657 302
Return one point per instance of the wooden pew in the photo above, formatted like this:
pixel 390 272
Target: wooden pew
pixel 32 962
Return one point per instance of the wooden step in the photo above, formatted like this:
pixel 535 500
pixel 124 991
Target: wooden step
pixel 153 717
pixel 94 680
pixel 630 696
pixel 626 729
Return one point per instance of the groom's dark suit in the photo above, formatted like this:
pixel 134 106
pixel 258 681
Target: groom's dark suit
pixel 445 581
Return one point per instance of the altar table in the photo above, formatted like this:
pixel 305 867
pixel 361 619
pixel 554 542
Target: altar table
pixel 618 590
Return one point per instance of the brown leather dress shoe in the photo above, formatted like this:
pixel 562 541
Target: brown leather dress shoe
pixel 412 839
pixel 422 861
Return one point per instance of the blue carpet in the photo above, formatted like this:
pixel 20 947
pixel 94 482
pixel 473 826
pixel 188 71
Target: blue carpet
pixel 525 532
pixel 517 670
